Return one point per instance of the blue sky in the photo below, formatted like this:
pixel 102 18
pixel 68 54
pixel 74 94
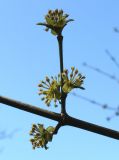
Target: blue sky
pixel 28 54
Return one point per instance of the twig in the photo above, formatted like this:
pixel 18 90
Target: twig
pixel 102 72
pixel 113 59
pixel 116 29
pixel 57 128
pixel 104 106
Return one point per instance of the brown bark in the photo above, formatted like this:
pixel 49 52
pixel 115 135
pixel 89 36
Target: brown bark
pixel 66 120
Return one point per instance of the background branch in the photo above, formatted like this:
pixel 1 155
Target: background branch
pixel 102 72
pixel 113 59
pixel 103 106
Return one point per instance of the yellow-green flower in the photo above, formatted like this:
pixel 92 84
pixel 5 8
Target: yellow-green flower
pixel 55 20
pixel 75 80
pixel 41 136
pixel 51 90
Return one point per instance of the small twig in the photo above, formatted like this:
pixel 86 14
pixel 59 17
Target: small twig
pixel 102 72
pixel 113 59
pixel 104 106
pixel 57 128
pixel 116 29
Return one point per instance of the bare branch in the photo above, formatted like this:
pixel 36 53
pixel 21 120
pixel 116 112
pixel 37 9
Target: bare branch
pixel 113 59
pixel 92 127
pixel 67 120
pixel 116 29
pixel 30 108
pixel 104 106
pixel 102 72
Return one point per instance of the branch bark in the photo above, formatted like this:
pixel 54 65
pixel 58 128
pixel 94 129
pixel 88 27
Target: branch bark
pixel 92 127
pixel 63 97
pixel 67 120
pixel 30 108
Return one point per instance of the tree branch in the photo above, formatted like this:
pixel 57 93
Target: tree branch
pixel 102 72
pixel 30 108
pixel 67 120
pixel 92 127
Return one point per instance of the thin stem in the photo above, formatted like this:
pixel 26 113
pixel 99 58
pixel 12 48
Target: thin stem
pixel 60 43
pixel 57 128
pixel 63 95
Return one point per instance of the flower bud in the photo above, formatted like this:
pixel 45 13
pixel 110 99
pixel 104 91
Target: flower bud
pixel 76 71
pixel 56 11
pixel 72 68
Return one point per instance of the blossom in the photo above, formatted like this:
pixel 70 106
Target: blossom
pixel 41 136
pixel 51 90
pixel 51 87
pixel 75 80
pixel 55 20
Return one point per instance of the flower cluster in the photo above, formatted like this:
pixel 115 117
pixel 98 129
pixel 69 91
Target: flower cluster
pixel 55 20
pixel 41 136
pixel 75 80
pixel 51 88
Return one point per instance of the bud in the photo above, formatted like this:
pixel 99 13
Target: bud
pixel 66 71
pixel 47 79
pixel 56 11
pixel 72 68
pixel 32 140
pixel 49 12
pixel 61 11
pixel 40 85
pixel 66 15
pixel 46 29
pixel 43 98
pixel 34 126
pixel 71 75
pixel 76 71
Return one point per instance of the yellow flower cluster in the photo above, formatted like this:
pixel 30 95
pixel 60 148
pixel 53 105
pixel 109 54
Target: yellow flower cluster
pixel 51 88
pixel 41 136
pixel 55 20
pixel 75 80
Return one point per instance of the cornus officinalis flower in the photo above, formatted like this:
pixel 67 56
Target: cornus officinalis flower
pixel 41 136
pixel 51 88
pixel 55 20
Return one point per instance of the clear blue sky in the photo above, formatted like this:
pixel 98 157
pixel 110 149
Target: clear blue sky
pixel 28 54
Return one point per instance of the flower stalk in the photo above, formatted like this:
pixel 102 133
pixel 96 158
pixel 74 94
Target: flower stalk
pixel 63 95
